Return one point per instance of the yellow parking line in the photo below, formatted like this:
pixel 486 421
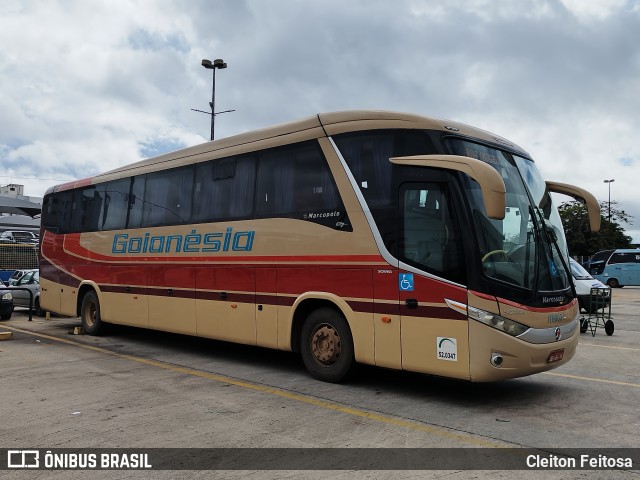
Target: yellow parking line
pixel 376 417
pixel 609 346
pixel 591 379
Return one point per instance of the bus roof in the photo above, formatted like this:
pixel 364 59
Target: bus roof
pixel 300 130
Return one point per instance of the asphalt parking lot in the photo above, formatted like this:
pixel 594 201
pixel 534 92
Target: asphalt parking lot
pixel 139 389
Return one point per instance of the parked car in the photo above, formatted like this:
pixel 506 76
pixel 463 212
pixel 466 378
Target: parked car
pixel 21 298
pixel 15 277
pixel 6 304
pixel 19 236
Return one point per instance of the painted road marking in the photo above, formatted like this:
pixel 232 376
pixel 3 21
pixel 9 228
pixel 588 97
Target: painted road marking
pixel 609 346
pixel 375 417
pixel 591 379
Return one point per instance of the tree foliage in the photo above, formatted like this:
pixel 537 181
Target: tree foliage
pixel 581 241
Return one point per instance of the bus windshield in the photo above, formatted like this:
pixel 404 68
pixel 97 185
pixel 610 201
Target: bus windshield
pixel 527 248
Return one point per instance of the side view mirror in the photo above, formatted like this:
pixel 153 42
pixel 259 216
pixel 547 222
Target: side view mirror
pixel 491 183
pixel 583 196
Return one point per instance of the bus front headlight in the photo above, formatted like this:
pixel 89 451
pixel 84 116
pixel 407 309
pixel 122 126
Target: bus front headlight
pixel 7 296
pixel 496 321
pixel 491 319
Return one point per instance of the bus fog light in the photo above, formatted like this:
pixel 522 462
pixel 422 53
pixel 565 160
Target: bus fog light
pixel 497 359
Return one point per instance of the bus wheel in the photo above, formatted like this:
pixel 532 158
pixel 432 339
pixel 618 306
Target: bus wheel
pixel 90 314
pixel 613 283
pixel 326 345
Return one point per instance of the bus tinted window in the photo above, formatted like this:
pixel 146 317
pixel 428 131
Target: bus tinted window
pixel 136 201
pixel 224 189
pixel 65 200
pixel 167 197
pixel 624 258
pixel 50 212
pixel 86 207
pixel 368 158
pixel 430 239
pixel 367 155
pixel 295 181
pixel 115 205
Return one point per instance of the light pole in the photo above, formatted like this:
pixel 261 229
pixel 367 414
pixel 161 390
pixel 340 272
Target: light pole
pixel 610 182
pixel 217 63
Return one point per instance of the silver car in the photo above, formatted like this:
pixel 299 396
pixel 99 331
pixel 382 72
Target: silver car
pixel 21 298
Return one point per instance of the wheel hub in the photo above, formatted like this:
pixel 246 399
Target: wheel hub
pixel 325 345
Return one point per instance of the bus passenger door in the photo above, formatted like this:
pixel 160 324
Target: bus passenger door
pixel 225 303
pixel 435 338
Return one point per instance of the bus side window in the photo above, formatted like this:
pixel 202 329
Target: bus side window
pixel 167 197
pixel 224 189
pixel 86 207
pixel 295 181
pixel 114 205
pixel 65 200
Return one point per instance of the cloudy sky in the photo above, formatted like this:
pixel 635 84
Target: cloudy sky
pixel 87 86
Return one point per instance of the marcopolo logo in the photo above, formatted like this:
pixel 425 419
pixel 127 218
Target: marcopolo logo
pixel 194 242
pixel 447 349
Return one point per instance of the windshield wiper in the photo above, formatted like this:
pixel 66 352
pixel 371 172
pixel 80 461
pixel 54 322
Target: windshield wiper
pixel 552 238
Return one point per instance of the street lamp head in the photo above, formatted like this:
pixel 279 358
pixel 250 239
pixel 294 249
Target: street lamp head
pixel 217 63
pixel 610 181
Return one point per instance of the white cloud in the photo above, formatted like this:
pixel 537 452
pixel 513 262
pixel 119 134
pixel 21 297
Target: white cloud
pixel 594 10
pixel 89 86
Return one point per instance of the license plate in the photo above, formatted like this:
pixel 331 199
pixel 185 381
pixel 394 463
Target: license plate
pixel 556 356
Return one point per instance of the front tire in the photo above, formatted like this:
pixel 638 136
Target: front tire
pixel 90 314
pixel 613 283
pixel 326 345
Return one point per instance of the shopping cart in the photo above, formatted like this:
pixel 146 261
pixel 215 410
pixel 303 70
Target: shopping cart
pixel 599 312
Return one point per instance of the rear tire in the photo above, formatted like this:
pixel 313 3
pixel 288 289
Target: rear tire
pixel 613 283
pixel 90 314
pixel 326 345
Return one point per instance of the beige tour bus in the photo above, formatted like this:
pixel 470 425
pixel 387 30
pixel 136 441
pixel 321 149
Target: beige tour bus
pixel 370 237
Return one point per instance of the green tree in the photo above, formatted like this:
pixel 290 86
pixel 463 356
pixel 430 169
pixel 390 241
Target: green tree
pixel 581 241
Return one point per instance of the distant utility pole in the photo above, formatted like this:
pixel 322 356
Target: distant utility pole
pixel 218 63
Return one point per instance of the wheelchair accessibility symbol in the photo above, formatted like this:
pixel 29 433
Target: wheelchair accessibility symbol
pixel 405 282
